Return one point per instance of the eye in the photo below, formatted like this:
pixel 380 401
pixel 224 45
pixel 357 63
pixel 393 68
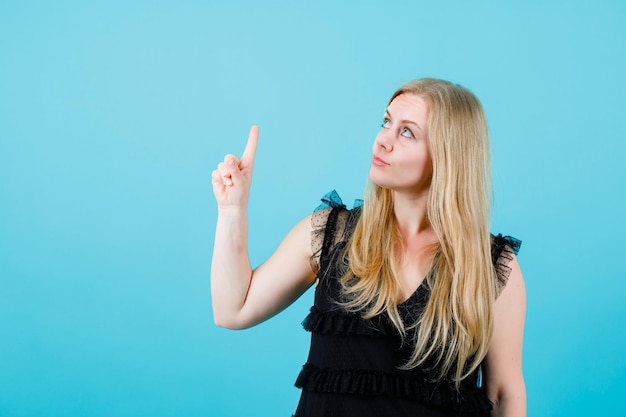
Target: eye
pixel 406 132
pixel 385 123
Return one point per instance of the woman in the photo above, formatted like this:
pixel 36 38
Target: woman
pixel 418 310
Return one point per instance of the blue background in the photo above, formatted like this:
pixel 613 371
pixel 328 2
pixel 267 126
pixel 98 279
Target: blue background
pixel 113 115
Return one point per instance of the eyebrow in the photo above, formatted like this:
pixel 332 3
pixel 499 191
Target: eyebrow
pixel 405 121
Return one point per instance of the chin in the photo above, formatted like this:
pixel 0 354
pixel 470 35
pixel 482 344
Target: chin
pixel 380 184
pixel 377 180
pixel 373 179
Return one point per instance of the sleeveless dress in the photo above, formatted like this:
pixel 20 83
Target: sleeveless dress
pixel 353 363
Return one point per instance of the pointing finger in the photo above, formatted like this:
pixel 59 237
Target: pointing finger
pixel 248 154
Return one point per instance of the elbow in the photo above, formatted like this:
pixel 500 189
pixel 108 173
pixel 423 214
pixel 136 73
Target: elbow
pixel 224 323
pixel 509 400
pixel 230 323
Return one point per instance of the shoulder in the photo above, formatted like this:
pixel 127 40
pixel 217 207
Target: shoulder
pixel 332 217
pixel 503 255
pixel 331 223
pixel 504 244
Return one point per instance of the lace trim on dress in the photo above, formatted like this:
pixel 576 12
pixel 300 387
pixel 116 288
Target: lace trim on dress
pixel 503 248
pixel 339 322
pixel 361 382
pixel 330 222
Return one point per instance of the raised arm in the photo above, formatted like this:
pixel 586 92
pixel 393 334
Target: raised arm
pixel 503 365
pixel 243 297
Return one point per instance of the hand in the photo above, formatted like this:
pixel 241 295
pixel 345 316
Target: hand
pixel 231 180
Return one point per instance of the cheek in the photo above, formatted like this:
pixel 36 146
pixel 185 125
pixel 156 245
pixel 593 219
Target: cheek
pixel 420 161
pixel 418 167
pixel 429 164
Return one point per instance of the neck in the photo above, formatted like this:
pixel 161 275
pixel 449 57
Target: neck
pixel 411 214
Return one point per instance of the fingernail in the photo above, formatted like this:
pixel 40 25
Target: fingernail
pixel 231 162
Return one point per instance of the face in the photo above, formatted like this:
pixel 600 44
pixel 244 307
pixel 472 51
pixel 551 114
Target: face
pixel 401 158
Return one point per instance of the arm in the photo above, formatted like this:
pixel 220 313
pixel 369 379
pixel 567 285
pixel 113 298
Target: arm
pixel 242 297
pixel 503 364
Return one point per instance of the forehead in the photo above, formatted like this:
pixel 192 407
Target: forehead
pixel 409 107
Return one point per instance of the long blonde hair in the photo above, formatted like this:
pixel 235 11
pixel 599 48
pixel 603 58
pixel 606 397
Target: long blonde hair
pixel 453 331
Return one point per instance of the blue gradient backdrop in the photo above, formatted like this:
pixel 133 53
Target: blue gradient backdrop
pixel 113 114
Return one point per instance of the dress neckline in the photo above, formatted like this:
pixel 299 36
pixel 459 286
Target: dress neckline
pixel 420 292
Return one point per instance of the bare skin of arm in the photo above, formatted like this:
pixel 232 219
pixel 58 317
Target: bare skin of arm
pixel 504 379
pixel 241 296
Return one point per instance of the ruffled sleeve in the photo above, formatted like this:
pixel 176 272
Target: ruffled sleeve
pixel 331 223
pixel 503 248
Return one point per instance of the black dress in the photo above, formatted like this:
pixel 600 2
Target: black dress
pixel 353 363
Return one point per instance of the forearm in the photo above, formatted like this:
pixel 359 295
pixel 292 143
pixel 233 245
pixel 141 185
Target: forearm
pixel 230 266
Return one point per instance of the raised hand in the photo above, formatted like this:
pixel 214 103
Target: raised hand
pixel 232 178
pixel 237 302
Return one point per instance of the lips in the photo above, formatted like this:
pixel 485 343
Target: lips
pixel 378 161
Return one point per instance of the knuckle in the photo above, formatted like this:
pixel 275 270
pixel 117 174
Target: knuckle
pixel 231 160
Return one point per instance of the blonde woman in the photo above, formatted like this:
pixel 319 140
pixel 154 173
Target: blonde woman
pixel 419 310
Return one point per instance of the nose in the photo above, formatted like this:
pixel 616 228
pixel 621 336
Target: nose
pixel 384 140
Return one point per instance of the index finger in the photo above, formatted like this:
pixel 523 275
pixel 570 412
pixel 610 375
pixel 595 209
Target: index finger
pixel 248 154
